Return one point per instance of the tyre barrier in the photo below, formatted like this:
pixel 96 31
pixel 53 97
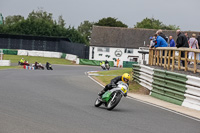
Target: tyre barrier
pixel 29 67
pixel 172 87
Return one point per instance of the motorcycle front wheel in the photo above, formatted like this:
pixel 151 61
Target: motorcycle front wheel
pixel 97 103
pixel 113 102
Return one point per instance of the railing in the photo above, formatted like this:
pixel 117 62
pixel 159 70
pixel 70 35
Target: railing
pixel 168 59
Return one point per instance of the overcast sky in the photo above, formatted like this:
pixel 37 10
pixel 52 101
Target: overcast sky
pixel 183 13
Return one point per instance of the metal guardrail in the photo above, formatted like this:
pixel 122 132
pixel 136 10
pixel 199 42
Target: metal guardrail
pixel 173 87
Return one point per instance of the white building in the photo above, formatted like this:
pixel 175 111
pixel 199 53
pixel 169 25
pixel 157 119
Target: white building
pixel 108 43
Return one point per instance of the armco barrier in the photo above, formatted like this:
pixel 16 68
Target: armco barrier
pixel 5 63
pixel 71 57
pixel 169 86
pixel 93 62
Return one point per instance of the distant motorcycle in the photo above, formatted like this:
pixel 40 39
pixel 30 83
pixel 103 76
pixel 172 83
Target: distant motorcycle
pixel 39 66
pixel 107 66
pixel 112 97
pixel 25 63
pixel 49 67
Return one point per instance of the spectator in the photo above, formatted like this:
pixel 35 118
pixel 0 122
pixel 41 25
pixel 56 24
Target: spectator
pixel 181 42
pixel 118 62
pixel 160 33
pixel 193 43
pixel 151 42
pixel 186 34
pixel 198 39
pixel 171 42
pixel 161 43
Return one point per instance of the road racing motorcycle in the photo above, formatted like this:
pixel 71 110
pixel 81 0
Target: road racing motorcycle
pixel 112 97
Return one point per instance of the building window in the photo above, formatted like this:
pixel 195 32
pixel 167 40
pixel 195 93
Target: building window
pixel 103 49
pixel 130 51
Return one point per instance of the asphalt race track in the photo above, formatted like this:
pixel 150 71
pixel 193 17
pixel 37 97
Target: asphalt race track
pixel 62 101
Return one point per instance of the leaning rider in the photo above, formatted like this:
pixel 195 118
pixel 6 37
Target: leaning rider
pixel 124 78
pixel 22 60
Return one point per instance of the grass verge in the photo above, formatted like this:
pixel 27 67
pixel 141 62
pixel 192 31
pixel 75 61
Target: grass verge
pixel 109 75
pixel 33 59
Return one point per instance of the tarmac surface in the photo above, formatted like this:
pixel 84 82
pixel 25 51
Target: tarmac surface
pixel 62 101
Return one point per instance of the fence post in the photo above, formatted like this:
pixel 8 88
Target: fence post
pixel 186 60
pixel 165 59
pixel 169 59
pixel 179 60
pixel 173 60
pixel 150 56
pixel 195 62
pixel 158 54
pixel 161 58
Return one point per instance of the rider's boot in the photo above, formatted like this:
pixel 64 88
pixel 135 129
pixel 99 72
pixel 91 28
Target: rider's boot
pixel 101 93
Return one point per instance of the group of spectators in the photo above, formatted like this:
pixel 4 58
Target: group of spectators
pixel 183 40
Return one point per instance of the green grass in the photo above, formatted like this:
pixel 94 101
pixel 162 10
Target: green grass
pixel 33 59
pixel 133 86
pixel 10 67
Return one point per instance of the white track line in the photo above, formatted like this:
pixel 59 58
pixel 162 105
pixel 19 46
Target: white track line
pixel 187 116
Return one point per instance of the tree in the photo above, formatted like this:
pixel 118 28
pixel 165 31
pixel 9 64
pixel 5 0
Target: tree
pixel 41 23
pixel 111 22
pixel 85 29
pixel 152 23
pixel 9 20
pixel 61 21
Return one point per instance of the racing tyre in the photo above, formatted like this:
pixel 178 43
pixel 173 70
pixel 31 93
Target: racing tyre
pixel 97 103
pixel 113 103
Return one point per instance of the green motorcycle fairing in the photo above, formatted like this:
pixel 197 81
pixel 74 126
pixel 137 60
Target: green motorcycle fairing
pixel 106 96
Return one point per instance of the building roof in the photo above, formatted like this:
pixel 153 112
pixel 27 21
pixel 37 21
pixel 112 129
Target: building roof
pixel 124 37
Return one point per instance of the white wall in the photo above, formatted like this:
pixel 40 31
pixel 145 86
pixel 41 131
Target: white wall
pixel 124 56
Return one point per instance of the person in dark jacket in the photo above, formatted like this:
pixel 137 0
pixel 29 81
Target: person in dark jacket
pixel 182 42
pixel 198 39
pixel 124 78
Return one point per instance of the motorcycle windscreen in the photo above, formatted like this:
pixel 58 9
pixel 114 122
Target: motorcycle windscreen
pixel 106 96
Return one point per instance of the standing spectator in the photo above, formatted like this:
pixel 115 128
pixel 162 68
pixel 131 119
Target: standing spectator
pixel 198 39
pixel 161 43
pixel 186 34
pixel 151 42
pixel 171 42
pixel 181 42
pixel 118 62
pixel 193 43
pixel 160 33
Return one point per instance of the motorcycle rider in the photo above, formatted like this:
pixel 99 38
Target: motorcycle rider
pixel 124 78
pixel 22 61
pixel 106 62
pixel 102 64
pixel 36 65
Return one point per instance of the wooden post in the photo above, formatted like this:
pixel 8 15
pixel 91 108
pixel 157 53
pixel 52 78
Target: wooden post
pixel 195 62
pixel 169 57
pixel 173 60
pixel 165 59
pixel 179 60
pixel 150 57
pixel 161 57
pixel 158 53
pixel 186 61
pixel 154 59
